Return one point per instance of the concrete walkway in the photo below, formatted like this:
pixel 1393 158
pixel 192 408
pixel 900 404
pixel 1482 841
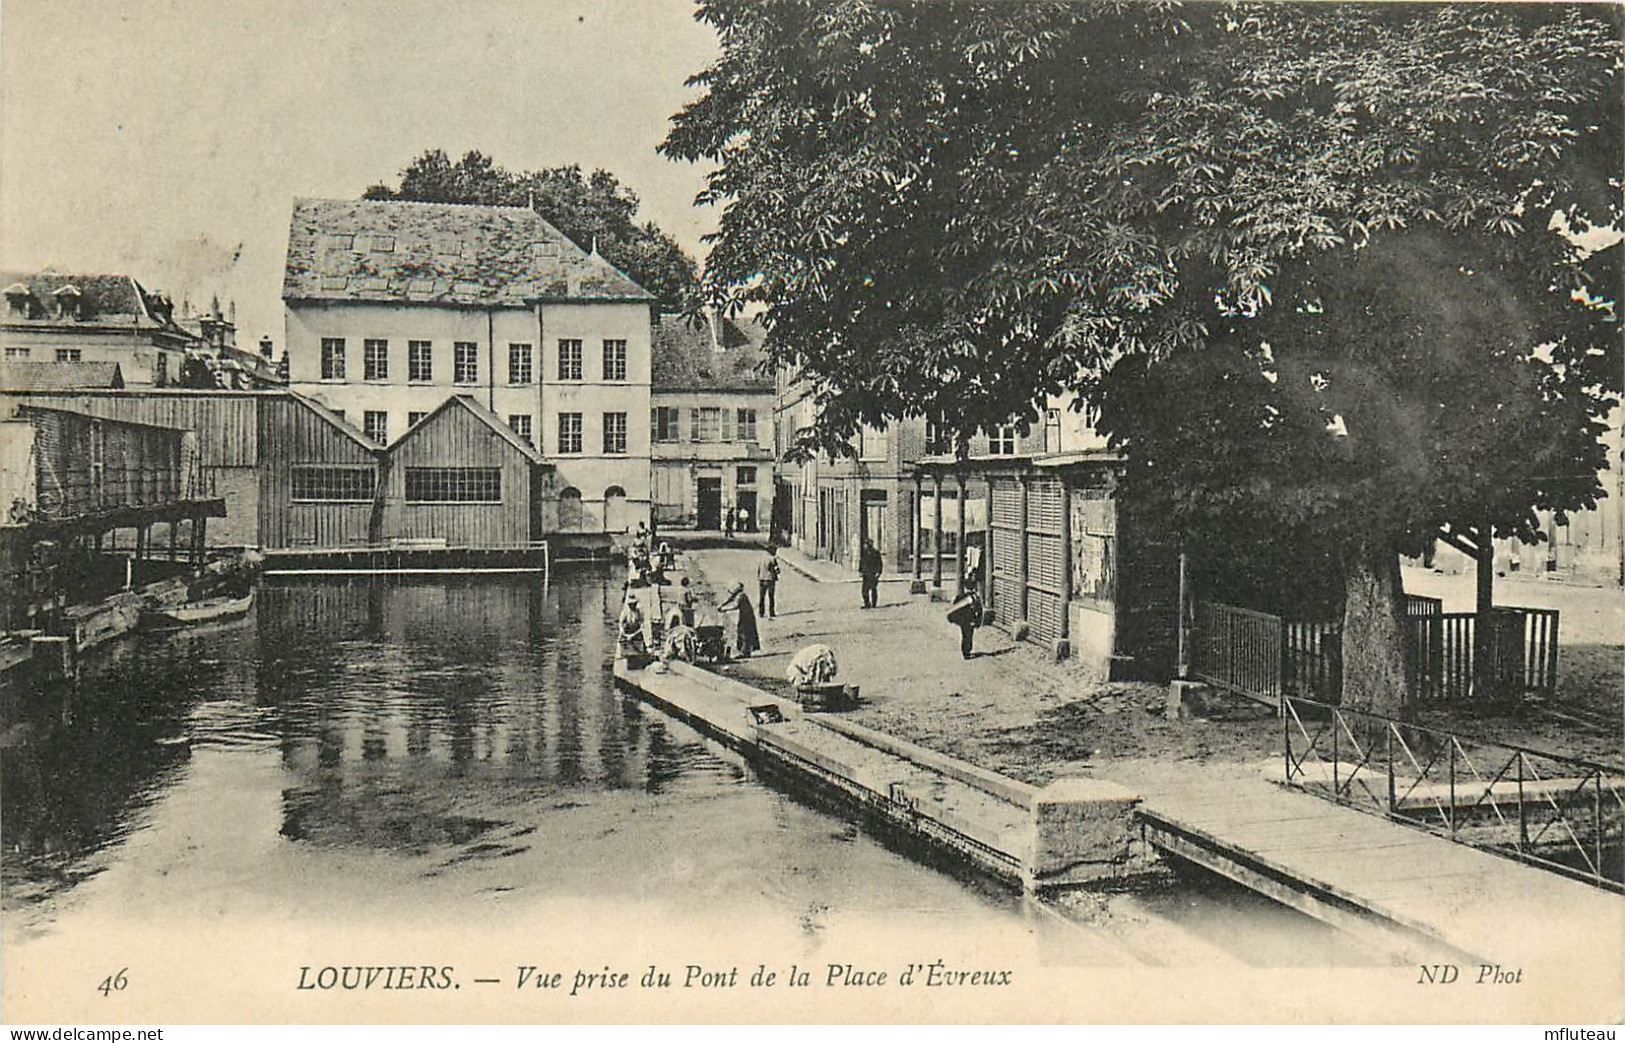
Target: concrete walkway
pixel 904 656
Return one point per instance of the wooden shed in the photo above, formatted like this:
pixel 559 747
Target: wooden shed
pixel 319 478
pixel 1074 567
pixel 462 476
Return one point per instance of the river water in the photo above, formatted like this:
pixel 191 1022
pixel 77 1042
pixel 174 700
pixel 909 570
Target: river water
pixel 454 753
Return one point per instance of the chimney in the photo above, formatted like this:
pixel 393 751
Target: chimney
pixel 711 320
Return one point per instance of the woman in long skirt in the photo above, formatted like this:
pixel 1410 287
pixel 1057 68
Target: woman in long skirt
pixel 745 638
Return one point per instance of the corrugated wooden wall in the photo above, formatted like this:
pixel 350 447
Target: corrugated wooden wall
pixel 292 433
pixel 226 424
pixel 1046 580
pixel 454 437
pixel 1005 525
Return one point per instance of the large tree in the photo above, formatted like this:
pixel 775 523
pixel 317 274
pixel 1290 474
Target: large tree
pixel 1345 240
pixel 592 209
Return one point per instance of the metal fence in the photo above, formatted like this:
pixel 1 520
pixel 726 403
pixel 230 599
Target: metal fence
pixel 1560 813
pixel 1239 650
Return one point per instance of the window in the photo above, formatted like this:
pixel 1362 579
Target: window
pixel 520 422
pixel 569 432
pixel 375 359
pixel 1001 441
pixel 614 360
pixel 873 443
pixel 614 433
pixel 664 422
pixel 72 355
pixel 339 413
pixel 569 360
pixel 419 360
pixel 453 485
pixel 519 363
pixel 746 476
pixel 16 353
pixel 705 425
pixel 375 425
pixel 414 419
pixel 332 358
pixel 935 443
pixel 332 484
pixel 383 244
pixel 160 375
pixel 745 430
pixel 465 362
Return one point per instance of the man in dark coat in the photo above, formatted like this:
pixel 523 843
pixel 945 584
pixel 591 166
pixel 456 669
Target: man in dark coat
pixel 869 568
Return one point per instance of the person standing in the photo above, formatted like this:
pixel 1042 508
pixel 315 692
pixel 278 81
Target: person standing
pixel 686 603
pixel 745 638
pixel 869 568
pixel 966 613
pixel 767 582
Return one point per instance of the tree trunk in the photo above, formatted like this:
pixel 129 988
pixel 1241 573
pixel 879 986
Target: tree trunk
pixel 1484 680
pixel 1375 678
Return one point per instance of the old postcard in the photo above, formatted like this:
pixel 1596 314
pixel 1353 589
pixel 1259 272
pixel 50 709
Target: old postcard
pixel 659 512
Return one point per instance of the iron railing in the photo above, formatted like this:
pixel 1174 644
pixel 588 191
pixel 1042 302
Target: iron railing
pixel 1560 813
pixel 1239 650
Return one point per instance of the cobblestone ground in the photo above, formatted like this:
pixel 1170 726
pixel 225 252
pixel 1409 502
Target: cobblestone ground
pixel 1013 710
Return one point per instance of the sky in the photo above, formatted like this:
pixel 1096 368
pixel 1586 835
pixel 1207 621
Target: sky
pixel 167 139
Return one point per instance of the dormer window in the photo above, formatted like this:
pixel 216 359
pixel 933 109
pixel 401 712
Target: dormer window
pixel 19 300
pixel 67 301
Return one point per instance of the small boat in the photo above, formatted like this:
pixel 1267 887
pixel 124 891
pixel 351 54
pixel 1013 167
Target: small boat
pixel 209 610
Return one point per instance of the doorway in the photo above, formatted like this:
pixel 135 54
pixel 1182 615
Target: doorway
pixel 709 505
pixel 874 519
pixel 747 503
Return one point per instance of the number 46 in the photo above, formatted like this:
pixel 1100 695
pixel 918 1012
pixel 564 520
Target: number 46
pixel 113 982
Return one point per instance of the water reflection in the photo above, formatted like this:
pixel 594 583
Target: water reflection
pixel 445 719
pixel 402 705
pixel 453 751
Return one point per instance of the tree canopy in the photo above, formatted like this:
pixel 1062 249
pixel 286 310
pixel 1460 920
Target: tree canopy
pixel 956 210
pixel 592 209
pixel 1331 269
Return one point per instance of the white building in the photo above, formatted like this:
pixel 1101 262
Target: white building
pixel 392 307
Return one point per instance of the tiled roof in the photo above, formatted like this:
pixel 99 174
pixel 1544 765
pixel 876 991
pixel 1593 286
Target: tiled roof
pixel 440 253
pixel 686 356
pixel 99 294
pixel 59 376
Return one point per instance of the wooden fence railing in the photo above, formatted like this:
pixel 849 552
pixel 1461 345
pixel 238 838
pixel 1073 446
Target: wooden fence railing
pixel 1523 646
pixel 1313 659
pixel 1262 656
